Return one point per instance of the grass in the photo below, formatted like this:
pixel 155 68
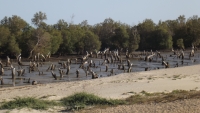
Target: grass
pixel 149 78
pixel 140 78
pixel 145 97
pixel 29 102
pixel 47 96
pixel 176 76
pixel 82 100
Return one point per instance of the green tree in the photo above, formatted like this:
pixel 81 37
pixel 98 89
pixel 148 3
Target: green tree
pixel 90 41
pixel 105 31
pixel 15 24
pixel 180 43
pixel 56 40
pixel 70 37
pixel 4 36
pixel 16 27
pixel 180 29
pixel 79 47
pixel 61 25
pixel 13 47
pixel 38 18
pixel 134 39
pixel 193 31
pixel 162 36
pixel 120 39
pixel 8 44
pixel 40 41
pixel 25 37
pixel 145 29
pixel 162 39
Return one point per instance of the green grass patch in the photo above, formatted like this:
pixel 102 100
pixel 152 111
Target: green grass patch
pixel 28 102
pixel 81 100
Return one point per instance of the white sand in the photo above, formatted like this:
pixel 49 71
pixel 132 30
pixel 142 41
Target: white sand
pixel 115 87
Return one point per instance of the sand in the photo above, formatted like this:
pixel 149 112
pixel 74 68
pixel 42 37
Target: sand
pixel 118 87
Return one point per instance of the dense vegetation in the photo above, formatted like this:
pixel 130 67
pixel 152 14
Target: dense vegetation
pixel 29 102
pixel 82 100
pixel 17 36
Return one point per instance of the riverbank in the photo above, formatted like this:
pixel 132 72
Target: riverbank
pixel 114 87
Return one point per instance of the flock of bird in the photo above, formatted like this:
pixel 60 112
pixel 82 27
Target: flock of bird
pixel 86 63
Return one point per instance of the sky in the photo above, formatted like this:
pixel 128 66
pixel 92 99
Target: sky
pixel 130 12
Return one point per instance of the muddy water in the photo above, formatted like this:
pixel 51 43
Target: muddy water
pixel 45 75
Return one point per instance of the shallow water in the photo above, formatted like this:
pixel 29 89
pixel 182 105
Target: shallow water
pixel 99 69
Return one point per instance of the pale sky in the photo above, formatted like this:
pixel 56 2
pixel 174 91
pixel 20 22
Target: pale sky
pixel 96 11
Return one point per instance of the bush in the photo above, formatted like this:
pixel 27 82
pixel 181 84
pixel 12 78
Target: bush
pixel 81 100
pixel 28 102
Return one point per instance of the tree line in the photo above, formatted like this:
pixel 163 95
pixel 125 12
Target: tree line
pixel 17 36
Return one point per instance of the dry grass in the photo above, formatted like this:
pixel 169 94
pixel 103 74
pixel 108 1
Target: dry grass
pixel 145 97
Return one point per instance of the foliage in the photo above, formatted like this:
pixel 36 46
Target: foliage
pixel 134 40
pixel 81 100
pixel 17 36
pixel 90 41
pixel 70 38
pixel 61 25
pixel 28 102
pixel 180 43
pixel 38 18
pixel 15 24
pixel 162 38
pixel 105 31
pixel 4 35
pixel 120 38
pixel 25 40
pixel 8 44
pixel 39 42
pixel 13 46
pixel 56 40
pixel 145 30
pixel 193 31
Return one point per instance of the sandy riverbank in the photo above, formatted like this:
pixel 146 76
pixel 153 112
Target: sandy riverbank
pixel 115 87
